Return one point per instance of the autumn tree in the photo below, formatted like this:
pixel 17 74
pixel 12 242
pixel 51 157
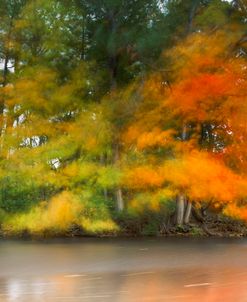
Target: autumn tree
pixel 206 80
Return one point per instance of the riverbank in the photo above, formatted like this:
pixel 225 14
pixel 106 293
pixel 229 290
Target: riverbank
pixel 213 226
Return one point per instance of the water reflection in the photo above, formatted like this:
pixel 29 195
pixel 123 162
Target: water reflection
pixel 108 271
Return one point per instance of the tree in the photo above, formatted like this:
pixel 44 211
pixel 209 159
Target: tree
pixel 120 38
pixel 206 88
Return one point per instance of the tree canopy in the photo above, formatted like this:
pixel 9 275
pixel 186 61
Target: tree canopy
pixel 119 113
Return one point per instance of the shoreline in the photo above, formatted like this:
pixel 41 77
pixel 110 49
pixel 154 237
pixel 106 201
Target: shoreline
pixel 212 227
pixel 52 236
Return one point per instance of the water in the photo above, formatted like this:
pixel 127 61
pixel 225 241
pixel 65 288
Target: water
pixel 121 270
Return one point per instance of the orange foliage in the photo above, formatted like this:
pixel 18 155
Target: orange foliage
pixel 143 177
pixel 204 177
pixel 208 85
pixel 238 212
pixel 197 96
pixel 155 137
pixel 200 175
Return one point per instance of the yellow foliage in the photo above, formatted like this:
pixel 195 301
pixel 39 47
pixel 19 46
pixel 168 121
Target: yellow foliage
pixel 62 211
pixel 152 200
pixel 56 217
pixel 98 226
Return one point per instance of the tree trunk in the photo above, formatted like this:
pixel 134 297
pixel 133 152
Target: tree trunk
pixel 192 13
pixel 83 39
pixel 113 69
pixel 181 199
pixel 120 201
pixel 4 109
pixel 198 217
pixel 187 212
pixel 112 52
pixel 180 209
pixel 119 193
pixel 103 161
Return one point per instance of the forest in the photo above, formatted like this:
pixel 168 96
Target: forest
pixel 123 117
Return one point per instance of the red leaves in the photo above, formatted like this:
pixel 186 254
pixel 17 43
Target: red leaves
pixel 197 97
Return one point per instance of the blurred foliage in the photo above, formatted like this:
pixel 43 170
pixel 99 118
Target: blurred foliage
pixel 94 96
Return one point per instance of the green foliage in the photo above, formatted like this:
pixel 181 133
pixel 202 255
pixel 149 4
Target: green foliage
pixel 151 229
pixel 2 216
pixel 109 177
pixel 17 195
pixel 216 15
pixel 146 223
pixel 196 231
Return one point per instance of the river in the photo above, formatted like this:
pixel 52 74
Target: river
pixel 124 270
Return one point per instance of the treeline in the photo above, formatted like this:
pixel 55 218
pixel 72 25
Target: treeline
pixel 121 116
